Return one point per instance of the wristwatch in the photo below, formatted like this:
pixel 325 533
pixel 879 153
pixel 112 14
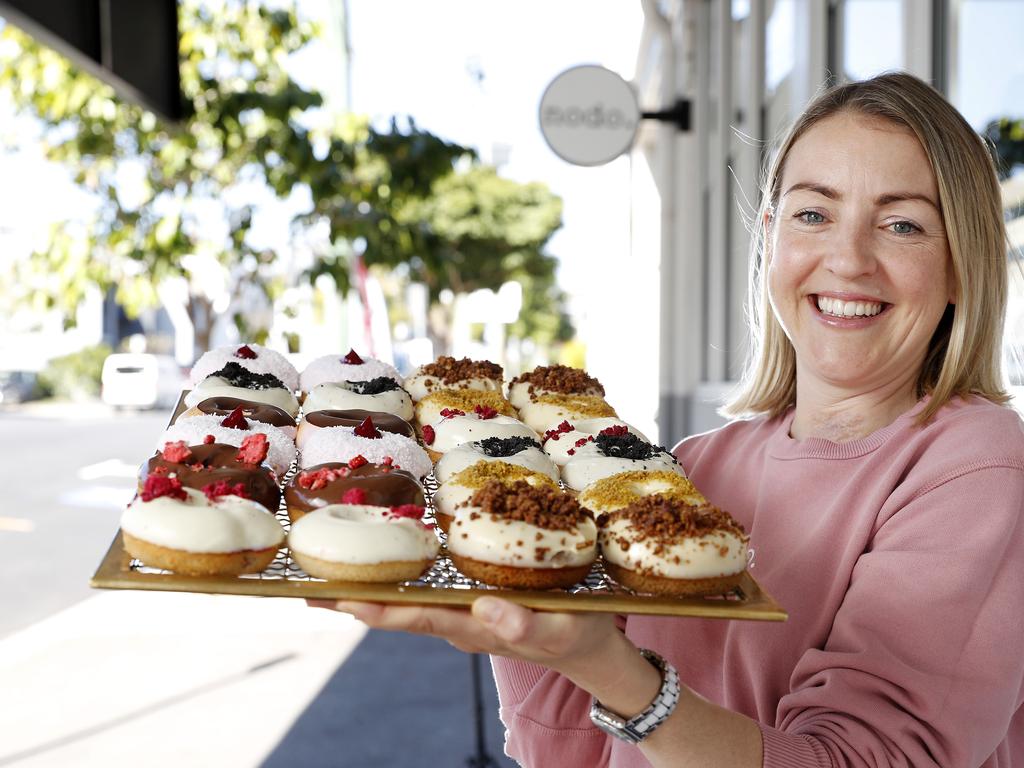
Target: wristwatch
pixel 636 729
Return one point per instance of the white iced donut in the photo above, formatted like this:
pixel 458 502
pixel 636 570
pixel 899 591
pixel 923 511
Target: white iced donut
pixel 611 455
pixel 451 402
pixel 552 380
pixel 455 430
pixel 563 440
pixel 547 411
pixel 449 373
pixel 356 542
pixel 521 451
pixel 621 490
pixel 382 394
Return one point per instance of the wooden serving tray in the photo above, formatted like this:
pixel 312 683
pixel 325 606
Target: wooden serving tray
pixel 443 585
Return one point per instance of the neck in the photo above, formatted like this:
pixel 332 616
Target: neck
pixel 841 416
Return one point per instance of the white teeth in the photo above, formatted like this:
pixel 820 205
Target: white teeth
pixel 839 308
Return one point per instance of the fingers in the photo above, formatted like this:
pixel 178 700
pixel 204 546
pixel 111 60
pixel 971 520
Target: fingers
pixel 536 634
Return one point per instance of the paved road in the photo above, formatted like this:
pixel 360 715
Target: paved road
pixel 192 679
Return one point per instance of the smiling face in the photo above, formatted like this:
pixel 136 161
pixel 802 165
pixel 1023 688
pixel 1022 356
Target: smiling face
pixel 859 272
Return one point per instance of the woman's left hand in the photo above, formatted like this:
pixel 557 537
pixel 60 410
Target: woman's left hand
pixel 566 642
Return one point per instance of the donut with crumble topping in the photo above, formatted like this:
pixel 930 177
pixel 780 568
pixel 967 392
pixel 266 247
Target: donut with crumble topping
pixel 664 546
pixel 449 373
pixel 458 489
pixel 552 380
pixel 522 537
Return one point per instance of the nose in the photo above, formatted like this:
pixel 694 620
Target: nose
pixel 851 254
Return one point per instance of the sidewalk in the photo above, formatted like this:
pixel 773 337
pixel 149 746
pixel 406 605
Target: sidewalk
pixel 169 679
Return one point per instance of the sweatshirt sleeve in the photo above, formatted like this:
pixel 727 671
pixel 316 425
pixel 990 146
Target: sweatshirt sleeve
pixel 546 717
pixel 925 660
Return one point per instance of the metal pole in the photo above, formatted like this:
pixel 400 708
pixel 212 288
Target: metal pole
pixel 481 759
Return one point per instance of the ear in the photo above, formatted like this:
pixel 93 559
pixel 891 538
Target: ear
pixel 766 234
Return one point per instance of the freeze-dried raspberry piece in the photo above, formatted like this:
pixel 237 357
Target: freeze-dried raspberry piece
pixel 214 491
pixel 367 430
pixel 583 441
pixel 157 486
pixel 358 461
pixel 316 479
pixel 352 358
pixel 387 461
pixel 557 432
pixel 617 431
pixel 484 411
pixel 209 440
pixel 428 435
pixel 447 413
pixel 254 449
pixel 245 352
pixel 407 510
pixel 177 452
pixel 235 420
pixel 354 496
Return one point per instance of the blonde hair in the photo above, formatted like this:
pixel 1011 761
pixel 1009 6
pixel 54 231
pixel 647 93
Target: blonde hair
pixel 964 354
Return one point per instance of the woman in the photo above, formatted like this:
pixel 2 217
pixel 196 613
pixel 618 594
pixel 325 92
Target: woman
pixel 880 477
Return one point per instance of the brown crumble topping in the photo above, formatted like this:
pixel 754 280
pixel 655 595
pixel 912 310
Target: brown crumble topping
pixel 544 507
pixel 667 522
pixel 560 378
pixel 579 406
pixel 540 552
pixel 539 536
pixel 449 370
pixel 466 399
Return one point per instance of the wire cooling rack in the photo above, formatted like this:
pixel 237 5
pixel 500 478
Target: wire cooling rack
pixel 442 585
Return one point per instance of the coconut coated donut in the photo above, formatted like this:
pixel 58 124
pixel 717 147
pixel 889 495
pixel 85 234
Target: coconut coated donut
pixel 315 420
pixel 235 381
pixel 199 429
pixel 351 367
pixel 252 411
pixel 252 357
pixel 343 444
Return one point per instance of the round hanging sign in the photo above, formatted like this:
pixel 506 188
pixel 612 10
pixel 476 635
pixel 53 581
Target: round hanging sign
pixel 589 115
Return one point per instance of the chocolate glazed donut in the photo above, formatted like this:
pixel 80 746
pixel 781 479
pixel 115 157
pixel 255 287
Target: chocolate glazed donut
pixel 384 487
pixel 261 412
pixel 212 463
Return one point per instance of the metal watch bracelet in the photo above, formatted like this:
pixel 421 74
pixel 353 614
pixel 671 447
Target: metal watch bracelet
pixel 636 729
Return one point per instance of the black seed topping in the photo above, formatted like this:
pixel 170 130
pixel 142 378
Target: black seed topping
pixel 627 446
pixel 373 386
pixel 237 376
pixel 498 447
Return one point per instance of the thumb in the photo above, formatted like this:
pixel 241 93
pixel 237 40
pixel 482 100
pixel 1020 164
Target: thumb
pixel 508 621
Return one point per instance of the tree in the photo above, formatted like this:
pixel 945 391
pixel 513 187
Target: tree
pixel 249 127
pixel 1005 137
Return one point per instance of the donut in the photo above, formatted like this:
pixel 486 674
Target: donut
pixel 610 454
pixel 522 537
pixel 252 357
pixel 343 444
pixel 381 394
pixel 200 466
pixel 431 408
pixel 312 421
pixel 253 411
pixel 521 451
pixel 545 411
pixel 377 485
pixel 567 436
pixel 351 367
pixel 621 490
pixel 357 542
pixel 457 428
pixel 449 373
pixel 235 381
pixel 202 429
pixel 664 546
pixel 552 380
pixel 460 487
pixel 187 531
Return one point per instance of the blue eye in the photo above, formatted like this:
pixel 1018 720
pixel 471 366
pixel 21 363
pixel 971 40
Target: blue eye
pixel 904 228
pixel 810 217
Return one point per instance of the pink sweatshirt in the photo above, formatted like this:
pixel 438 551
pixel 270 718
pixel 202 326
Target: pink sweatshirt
pixel 900 559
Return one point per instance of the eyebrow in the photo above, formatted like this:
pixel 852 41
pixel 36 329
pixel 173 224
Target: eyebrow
pixel 889 197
